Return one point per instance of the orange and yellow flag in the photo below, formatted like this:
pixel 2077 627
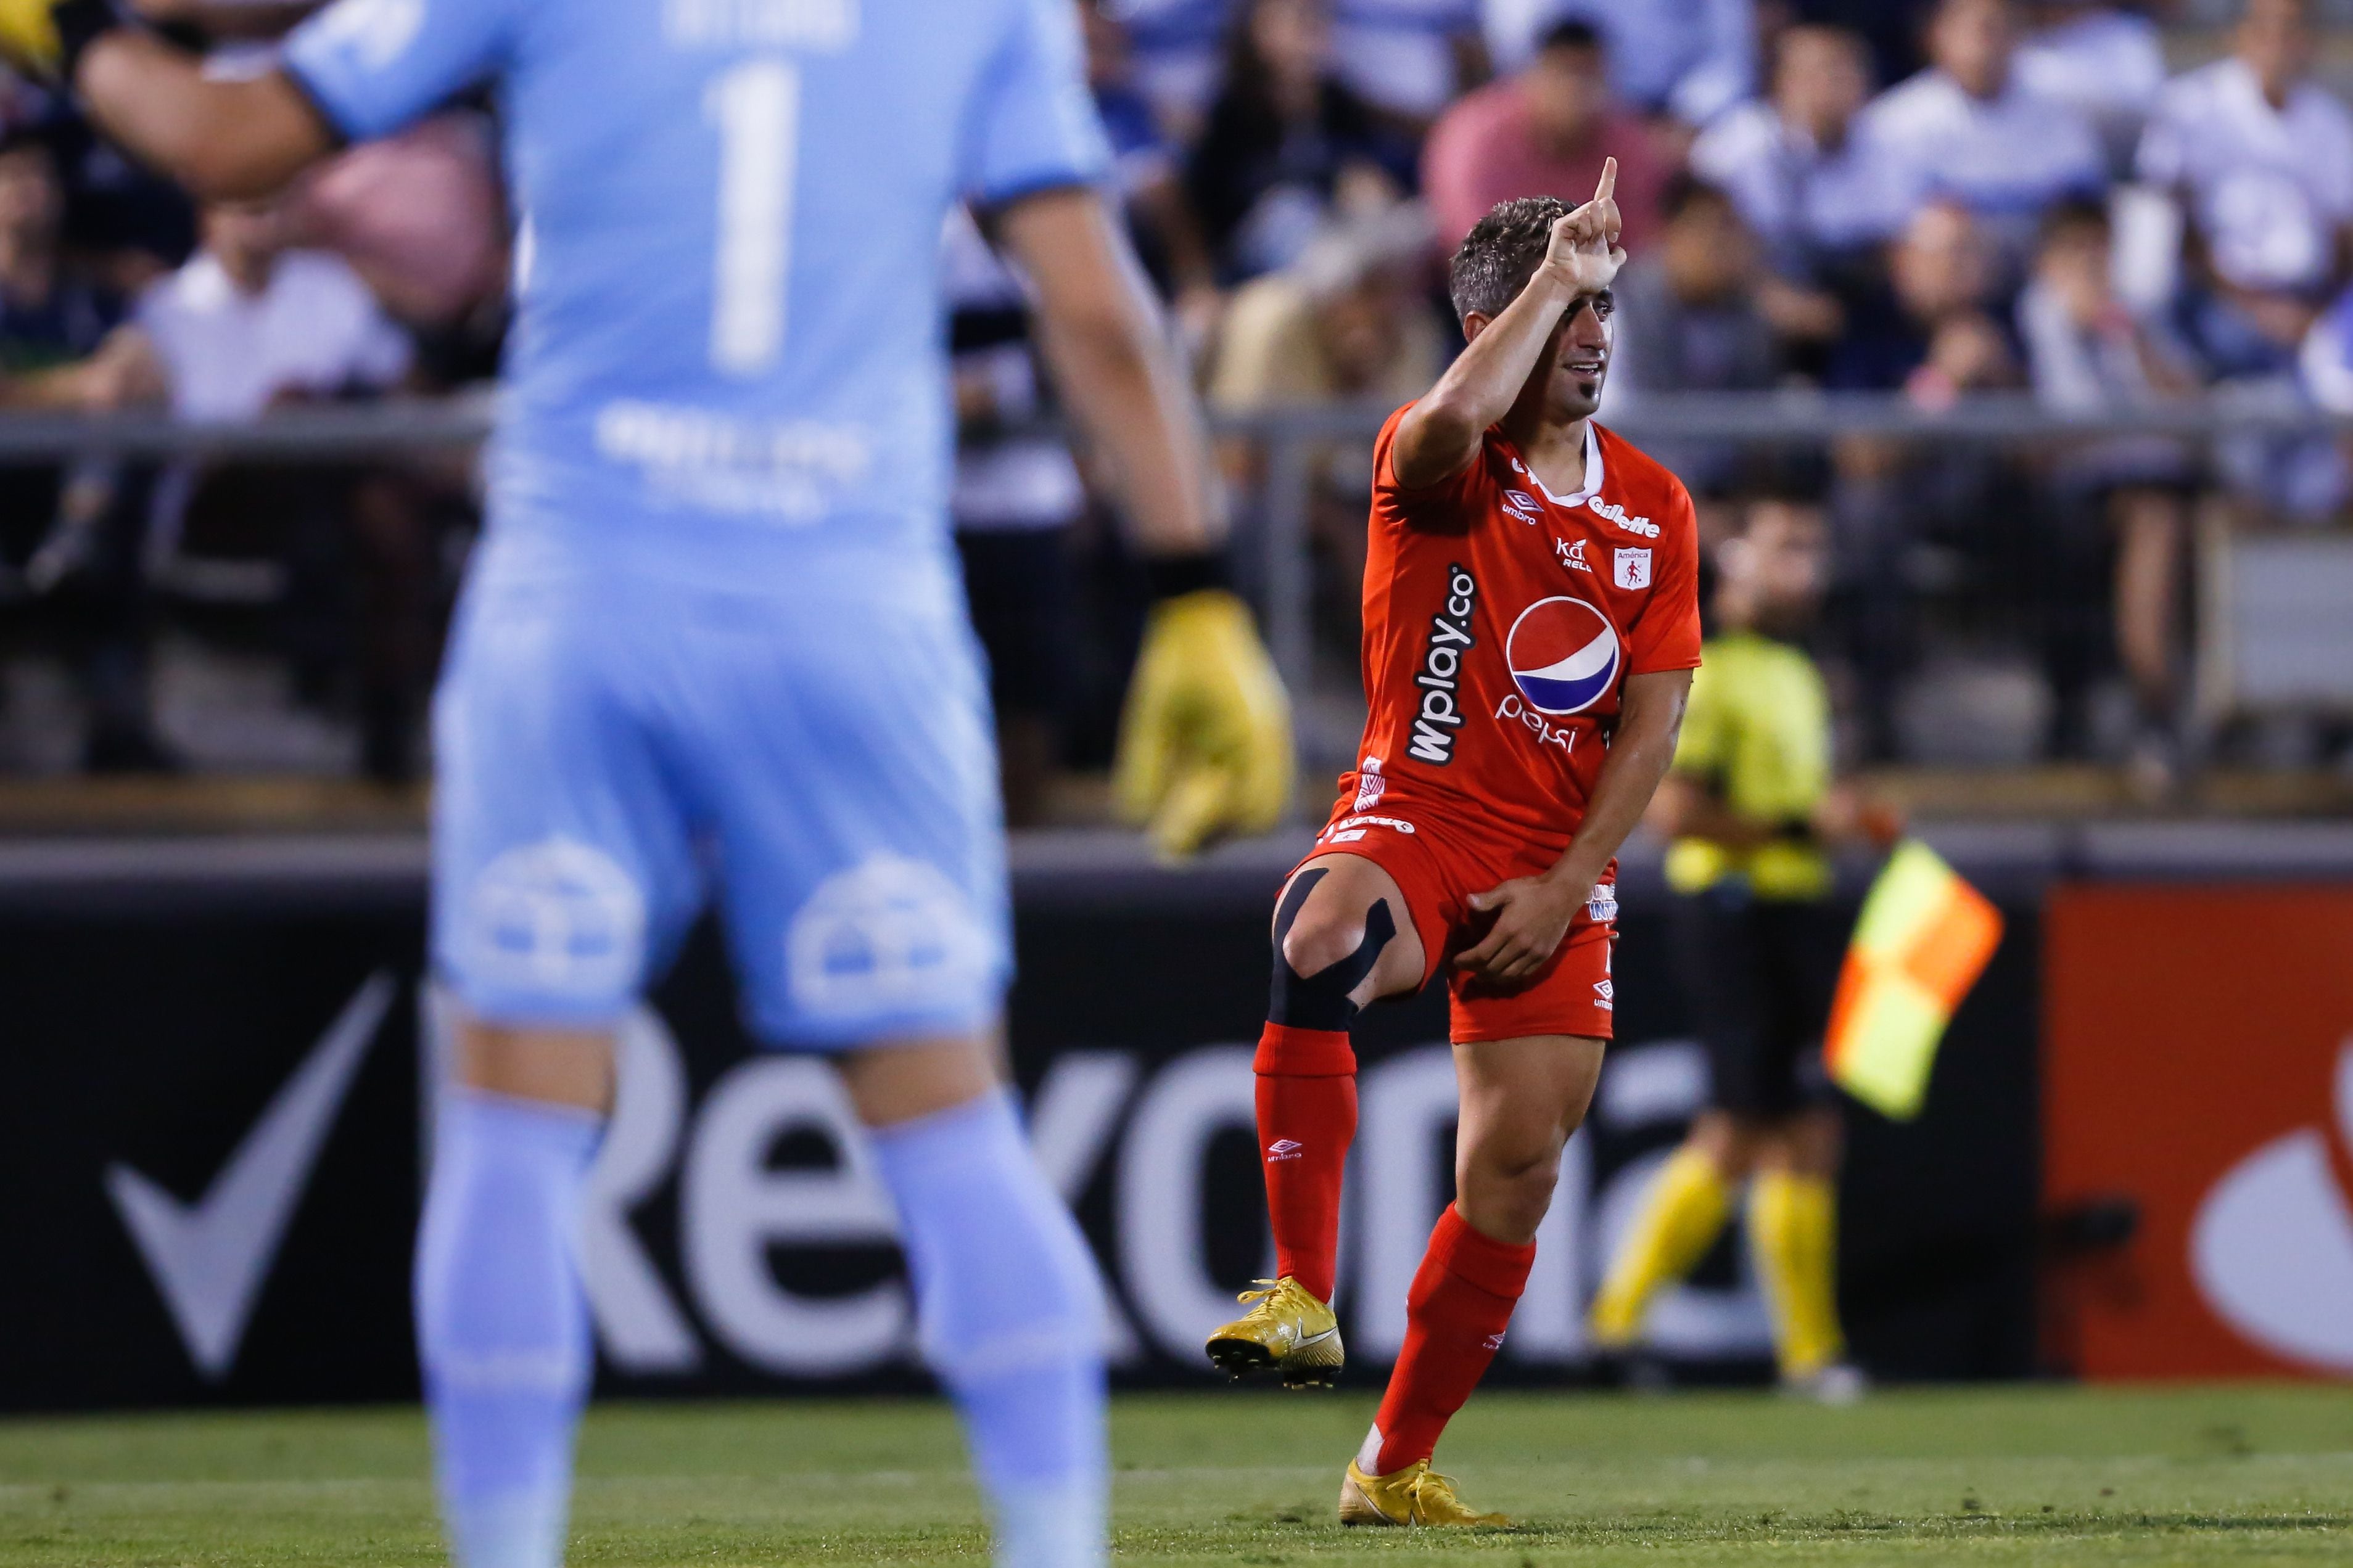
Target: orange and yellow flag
pixel 1924 938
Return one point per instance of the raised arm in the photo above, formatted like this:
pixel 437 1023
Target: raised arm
pixel 223 138
pixel 1440 434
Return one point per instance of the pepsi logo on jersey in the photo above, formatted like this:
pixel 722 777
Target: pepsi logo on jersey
pixel 1563 655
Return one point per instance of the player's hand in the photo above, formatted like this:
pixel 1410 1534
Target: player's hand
pixel 42 37
pixel 1532 914
pixel 1205 746
pixel 1584 253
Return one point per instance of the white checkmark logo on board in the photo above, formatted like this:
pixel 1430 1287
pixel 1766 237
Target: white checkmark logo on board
pixel 210 1257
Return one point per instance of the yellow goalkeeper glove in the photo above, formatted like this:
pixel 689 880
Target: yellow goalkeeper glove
pixel 44 39
pixel 1205 745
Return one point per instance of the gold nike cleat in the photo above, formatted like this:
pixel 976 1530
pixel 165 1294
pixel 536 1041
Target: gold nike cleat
pixel 1288 1331
pixel 1415 1495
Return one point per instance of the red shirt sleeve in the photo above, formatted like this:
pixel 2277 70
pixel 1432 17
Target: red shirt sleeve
pixel 1447 507
pixel 1665 636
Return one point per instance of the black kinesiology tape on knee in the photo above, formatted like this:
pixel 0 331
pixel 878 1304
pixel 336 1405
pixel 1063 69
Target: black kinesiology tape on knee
pixel 1320 1001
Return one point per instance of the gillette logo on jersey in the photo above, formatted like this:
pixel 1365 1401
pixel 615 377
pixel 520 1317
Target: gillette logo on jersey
pixel 1502 620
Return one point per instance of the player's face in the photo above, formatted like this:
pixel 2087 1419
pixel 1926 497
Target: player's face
pixel 1580 352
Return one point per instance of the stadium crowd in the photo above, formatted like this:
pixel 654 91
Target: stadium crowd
pixel 1924 198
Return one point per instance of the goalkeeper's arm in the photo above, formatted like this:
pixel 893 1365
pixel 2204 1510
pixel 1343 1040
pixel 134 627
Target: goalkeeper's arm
pixel 1206 745
pixel 222 137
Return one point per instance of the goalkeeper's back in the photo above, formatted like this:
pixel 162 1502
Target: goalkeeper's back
pixel 728 221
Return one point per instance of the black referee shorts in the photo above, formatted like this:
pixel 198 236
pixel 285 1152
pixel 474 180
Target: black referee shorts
pixel 1760 974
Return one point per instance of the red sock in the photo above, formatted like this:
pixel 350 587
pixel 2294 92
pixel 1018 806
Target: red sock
pixel 1463 1297
pixel 1306 1115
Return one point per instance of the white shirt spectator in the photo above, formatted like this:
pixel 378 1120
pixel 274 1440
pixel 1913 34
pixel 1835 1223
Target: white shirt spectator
pixel 313 329
pixel 2268 188
pixel 2005 158
pixel 1399 53
pixel 1800 199
pixel 2107 65
pixel 1691 59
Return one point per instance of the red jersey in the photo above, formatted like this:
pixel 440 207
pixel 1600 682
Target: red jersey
pixel 1501 623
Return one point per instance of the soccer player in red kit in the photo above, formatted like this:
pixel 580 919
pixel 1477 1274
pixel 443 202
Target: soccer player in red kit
pixel 1531 627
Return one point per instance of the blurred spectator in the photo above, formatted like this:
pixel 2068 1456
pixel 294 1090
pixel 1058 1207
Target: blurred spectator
pixel 1351 320
pixel 70 537
pixel 1013 501
pixel 1902 513
pixel 128 226
pixel 1545 131
pixel 1145 175
pixel 1177 47
pixel 419 216
pixel 1892 28
pixel 1408 58
pixel 2087 352
pixel 2262 161
pixel 1931 334
pixel 341 553
pixel 1689 59
pixel 1286 142
pixel 1966 129
pixel 1688 321
pixel 2105 62
pixel 1820 196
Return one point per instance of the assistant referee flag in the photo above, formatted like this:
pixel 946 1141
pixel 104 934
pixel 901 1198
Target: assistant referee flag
pixel 1924 938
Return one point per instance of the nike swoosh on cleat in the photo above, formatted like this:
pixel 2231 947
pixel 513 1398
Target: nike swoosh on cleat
pixel 210 1257
pixel 1314 1339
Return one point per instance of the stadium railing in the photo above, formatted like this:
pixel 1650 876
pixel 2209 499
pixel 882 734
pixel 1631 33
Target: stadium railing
pixel 2238 607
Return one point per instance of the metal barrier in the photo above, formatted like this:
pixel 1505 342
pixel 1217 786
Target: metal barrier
pixel 1289 438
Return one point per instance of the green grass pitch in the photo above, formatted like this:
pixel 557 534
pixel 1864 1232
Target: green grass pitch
pixel 2228 1475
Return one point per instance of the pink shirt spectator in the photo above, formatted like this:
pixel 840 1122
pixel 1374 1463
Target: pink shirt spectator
pixel 1486 149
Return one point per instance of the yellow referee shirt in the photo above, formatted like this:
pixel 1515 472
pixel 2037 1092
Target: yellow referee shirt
pixel 1757 735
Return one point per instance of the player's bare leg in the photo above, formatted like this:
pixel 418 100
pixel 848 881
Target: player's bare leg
pixel 1010 1305
pixel 1522 1099
pixel 501 1321
pixel 1342 937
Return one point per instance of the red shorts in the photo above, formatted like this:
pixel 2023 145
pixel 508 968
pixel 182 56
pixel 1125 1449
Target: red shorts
pixel 1438 863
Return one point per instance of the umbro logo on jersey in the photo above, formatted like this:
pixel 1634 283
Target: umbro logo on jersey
pixel 1630 566
pixel 1572 555
pixel 1522 505
pixel 1441 672
pixel 1284 1149
pixel 1617 515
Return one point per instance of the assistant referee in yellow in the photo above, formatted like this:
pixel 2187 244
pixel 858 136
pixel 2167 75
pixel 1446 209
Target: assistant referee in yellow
pixel 1750 811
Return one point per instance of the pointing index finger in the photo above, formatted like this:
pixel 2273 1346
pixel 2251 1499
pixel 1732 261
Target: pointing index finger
pixel 1609 185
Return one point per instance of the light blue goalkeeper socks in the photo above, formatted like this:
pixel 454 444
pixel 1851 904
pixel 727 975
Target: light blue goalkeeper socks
pixel 1012 1322
pixel 501 1322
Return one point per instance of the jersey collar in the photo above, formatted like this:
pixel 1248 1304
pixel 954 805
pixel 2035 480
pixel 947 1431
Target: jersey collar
pixel 1592 472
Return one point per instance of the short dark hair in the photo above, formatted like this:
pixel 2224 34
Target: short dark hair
pixel 2071 214
pixel 1501 253
pixel 1571 33
pixel 1684 191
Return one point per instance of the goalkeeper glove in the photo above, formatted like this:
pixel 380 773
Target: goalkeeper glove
pixel 1205 745
pixel 44 39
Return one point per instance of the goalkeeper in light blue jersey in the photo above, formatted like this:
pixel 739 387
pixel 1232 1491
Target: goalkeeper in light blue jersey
pixel 713 646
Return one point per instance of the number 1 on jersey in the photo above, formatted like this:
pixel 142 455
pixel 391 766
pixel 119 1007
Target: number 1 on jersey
pixel 755 108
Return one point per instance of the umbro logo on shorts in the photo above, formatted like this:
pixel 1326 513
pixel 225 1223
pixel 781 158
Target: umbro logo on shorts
pixel 1284 1149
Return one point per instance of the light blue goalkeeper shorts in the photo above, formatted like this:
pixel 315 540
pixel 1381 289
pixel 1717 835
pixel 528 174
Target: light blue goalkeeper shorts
pixel 806 740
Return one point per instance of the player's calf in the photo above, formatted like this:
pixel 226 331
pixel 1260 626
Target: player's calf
pixel 1341 937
